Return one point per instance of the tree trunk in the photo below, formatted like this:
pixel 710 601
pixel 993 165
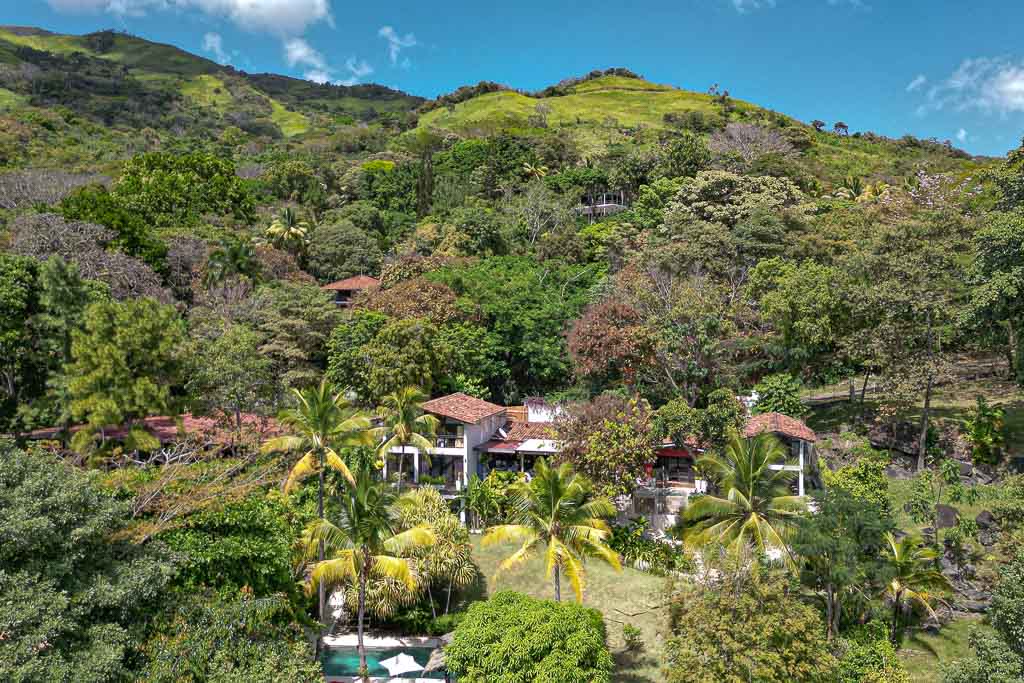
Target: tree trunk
pixel 558 584
pixel 864 387
pixel 401 468
pixel 430 597
pixel 1011 351
pixel 853 389
pixel 320 549
pixel 448 600
pixel 363 671
pixel 829 611
pixel 922 442
pixel 896 618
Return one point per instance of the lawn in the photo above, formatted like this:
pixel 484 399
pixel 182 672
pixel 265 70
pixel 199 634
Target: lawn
pixel 630 597
pixel 290 122
pixel 924 653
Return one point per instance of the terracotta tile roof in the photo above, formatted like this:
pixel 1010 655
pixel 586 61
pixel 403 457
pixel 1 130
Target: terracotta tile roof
pixel 353 283
pixel 165 428
pixel 462 407
pixel 521 431
pixel 777 423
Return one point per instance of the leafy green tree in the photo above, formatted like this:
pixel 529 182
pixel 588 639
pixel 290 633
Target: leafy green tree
pixel 993 661
pixel 229 374
pixel 913 576
pixel 867 654
pixel 933 487
pixel 838 546
pixel 649 207
pixel 557 510
pixel 404 424
pixel 340 250
pixel 404 353
pixel 366 542
pixel 475 358
pixel 230 639
pixel 527 304
pixel 19 301
pixel 726 198
pixel 780 393
pixel 348 350
pixel 127 359
pixel 320 423
pixel 804 304
pixel 997 274
pixel 77 599
pixel 243 544
pixel 757 510
pixel 608 440
pixel 680 423
pixel 94 204
pixel 744 626
pixel 295 321
pixel 684 156
pixel 512 637
pixel 865 480
pixel 168 189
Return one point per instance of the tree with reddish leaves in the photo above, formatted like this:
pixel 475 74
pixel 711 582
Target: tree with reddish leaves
pixel 608 344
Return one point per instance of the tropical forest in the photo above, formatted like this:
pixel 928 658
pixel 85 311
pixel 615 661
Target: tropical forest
pixel 610 380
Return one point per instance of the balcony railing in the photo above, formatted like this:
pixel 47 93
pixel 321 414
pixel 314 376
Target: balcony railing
pixel 449 441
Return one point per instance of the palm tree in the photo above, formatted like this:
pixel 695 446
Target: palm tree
pixel 320 422
pixel 288 231
pixel 405 424
pixel 557 508
pixel 914 575
pixel 364 544
pixel 758 509
pixel 232 257
pixel 534 170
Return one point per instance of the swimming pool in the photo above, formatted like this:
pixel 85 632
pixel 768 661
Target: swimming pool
pixel 344 661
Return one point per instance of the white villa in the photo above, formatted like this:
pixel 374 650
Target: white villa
pixel 477 436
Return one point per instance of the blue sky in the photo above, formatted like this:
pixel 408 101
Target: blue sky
pixel 948 69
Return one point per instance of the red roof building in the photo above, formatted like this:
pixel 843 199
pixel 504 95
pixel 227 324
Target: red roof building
pixel 777 423
pixel 462 407
pixel 345 289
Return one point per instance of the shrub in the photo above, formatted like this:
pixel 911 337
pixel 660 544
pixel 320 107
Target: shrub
pixel 513 638
pixel 867 654
pixel 632 637
pixel 779 393
pixel 985 431
pixel 864 479
pixel 637 549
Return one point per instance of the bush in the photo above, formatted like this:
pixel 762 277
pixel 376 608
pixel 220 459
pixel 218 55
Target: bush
pixel 340 250
pixel 637 549
pixel 513 638
pixel 867 654
pixel 780 393
pixel 632 637
pixel 864 479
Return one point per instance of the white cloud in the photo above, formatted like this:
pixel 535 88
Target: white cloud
pixel 298 51
pixel 396 42
pixel 961 135
pixel 214 44
pixel 743 6
pixel 988 84
pixel 279 17
pixel 317 76
pixel 917 83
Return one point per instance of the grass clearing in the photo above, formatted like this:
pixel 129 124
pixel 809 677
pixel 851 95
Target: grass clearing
pixel 207 91
pixel 629 597
pixel 10 100
pixel 924 654
pixel 291 123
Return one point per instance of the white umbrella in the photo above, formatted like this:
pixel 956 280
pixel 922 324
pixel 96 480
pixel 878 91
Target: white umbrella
pixel 400 664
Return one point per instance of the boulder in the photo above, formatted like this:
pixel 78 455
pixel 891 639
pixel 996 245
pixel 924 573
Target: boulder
pixel 946 516
pixel 988 537
pixel 986 520
pixel 966 469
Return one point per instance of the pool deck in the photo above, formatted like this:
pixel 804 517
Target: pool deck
pixel 352 640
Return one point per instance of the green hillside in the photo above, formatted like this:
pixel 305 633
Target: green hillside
pixel 82 100
pixel 603 113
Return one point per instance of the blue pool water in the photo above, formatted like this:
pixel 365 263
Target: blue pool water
pixel 344 661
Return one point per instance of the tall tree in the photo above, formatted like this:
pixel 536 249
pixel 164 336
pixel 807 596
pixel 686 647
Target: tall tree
pixel 557 509
pixel 321 422
pixel 757 510
pixel 366 542
pixel 127 360
pixel 405 424
pixel 288 232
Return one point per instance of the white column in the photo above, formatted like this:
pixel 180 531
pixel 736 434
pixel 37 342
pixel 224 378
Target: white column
pixel 416 466
pixel 801 484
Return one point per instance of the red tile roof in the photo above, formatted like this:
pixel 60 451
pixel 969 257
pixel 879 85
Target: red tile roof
pixel 462 407
pixel 777 423
pixel 165 428
pixel 353 283
pixel 521 431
